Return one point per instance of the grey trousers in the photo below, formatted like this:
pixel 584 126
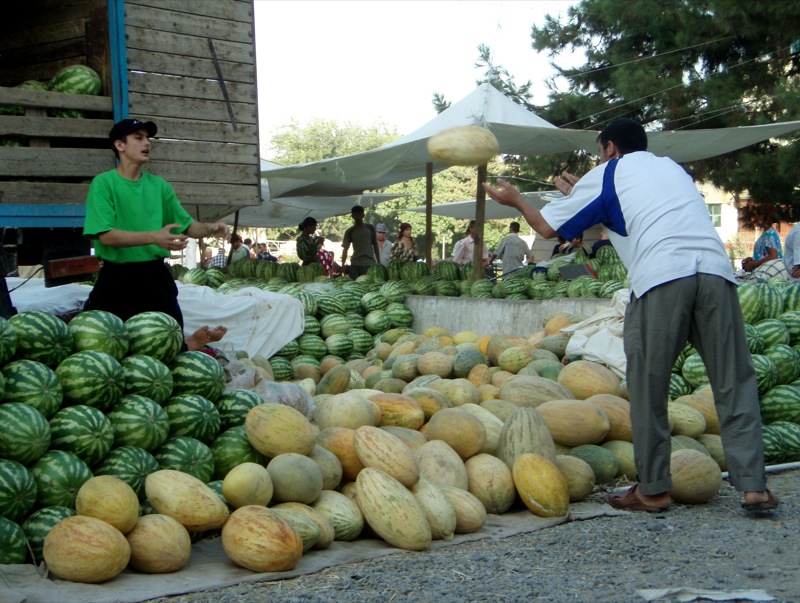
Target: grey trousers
pixel 703 309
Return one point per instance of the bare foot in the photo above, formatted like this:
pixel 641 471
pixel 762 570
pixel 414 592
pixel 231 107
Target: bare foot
pixel 217 333
pixel 199 339
pixel 751 498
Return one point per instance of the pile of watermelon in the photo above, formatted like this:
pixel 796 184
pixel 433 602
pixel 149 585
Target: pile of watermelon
pixel 99 396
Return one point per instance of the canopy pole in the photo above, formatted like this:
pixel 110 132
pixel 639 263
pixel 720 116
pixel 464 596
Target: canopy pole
pixel 429 214
pixel 235 228
pixel 480 215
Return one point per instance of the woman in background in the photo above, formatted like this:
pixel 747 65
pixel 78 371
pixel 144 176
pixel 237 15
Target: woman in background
pixel 307 243
pixel 404 248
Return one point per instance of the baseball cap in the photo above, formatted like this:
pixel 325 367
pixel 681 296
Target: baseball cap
pixel 381 228
pixel 127 126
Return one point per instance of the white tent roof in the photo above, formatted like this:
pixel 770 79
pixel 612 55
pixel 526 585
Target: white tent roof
pixel 465 210
pixel 518 131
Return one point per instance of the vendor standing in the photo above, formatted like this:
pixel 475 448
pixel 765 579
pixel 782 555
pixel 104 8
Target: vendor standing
pixel 308 243
pixel 136 221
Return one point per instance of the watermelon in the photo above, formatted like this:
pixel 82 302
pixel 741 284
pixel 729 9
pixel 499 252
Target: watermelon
pixel 232 448
pixel 197 373
pixel 311 326
pixel 755 341
pixel 99 331
pixel 377 321
pixel 155 334
pixel 395 291
pixel 33 383
pixel 771 300
pixel 187 454
pixel 362 340
pixel 139 421
pixel 25 433
pixel 750 302
pixel 289 351
pixel 790 434
pixel 309 302
pixel 774 446
pixel 355 319
pixel 195 276
pixel 131 464
pixel 91 378
pixel 194 416
pixel 13 544
pixel 791 321
pixel 786 360
pixel 214 277
pixel 17 490
pixel 41 337
pixel 399 315
pixel 334 324
pixel 329 303
pixel 59 475
pixel 84 431
pixel 766 373
pixel 234 405
pixel 302 359
pixel 76 79
pixel 8 341
pixel 781 403
pixel 147 376
pixel 772 331
pixel 310 345
pixel 38 525
pixel 339 345
pixel 281 368
pixel 373 300
pixel 791 297
pixel 694 371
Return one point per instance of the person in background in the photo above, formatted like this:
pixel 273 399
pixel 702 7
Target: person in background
pixel 405 248
pixel 248 245
pixel 767 249
pixel 601 242
pixel 791 257
pixel 238 250
pixel 207 254
pixel 220 260
pixel 465 249
pixel 325 257
pixel 384 244
pixel 264 254
pixel 512 249
pixel 135 222
pixel 307 242
pixel 560 247
pixel 364 240
pixel 653 212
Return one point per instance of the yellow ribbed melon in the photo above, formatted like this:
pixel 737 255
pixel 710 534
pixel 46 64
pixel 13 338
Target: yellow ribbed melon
pixel 696 477
pixel 463 145
pixel 705 406
pixel 159 544
pixel 686 420
pixel 442 465
pixel 185 498
pixel 109 498
pixel 412 438
pixel 524 431
pixel 247 484
pixel 618 411
pixel 429 399
pixel 464 432
pixel 274 429
pixel 490 481
pixel 586 379
pixel 381 450
pixel 399 410
pixel 258 539
pixel 348 409
pixel 439 512
pixel 470 512
pixel 541 485
pixel 574 422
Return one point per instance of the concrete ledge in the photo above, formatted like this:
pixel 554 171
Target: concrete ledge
pixel 494 316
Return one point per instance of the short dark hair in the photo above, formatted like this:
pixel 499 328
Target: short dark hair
pixel 627 134
pixel 308 221
pixel 471 224
pixel 514 226
pixel 357 209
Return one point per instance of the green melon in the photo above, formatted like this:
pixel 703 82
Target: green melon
pixel 155 334
pixel 17 490
pixel 139 421
pixel 197 373
pixel 33 383
pixel 91 378
pixel 194 416
pixel 25 433
pixel 234 405
pixel 99 331
pixel 13 544
pixel 602 461
pixel 38 525
pixel 84 431
pixel 41 337
pixel 232 448
pixel 59 475
pixel 187 454
pixel 147 376
pixel 131 464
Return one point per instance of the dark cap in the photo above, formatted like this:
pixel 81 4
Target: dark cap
pixel 127 126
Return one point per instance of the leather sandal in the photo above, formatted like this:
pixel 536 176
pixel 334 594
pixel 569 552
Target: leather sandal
pixel 770 504
pixel 628 501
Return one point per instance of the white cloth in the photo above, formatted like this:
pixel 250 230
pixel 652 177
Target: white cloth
pixel 791 251
pixel 465 249
pixel 654 216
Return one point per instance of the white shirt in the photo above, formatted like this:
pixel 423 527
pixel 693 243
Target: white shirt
pixel 654 216
pixel 386 251
pixel 464 249
pixel 791 251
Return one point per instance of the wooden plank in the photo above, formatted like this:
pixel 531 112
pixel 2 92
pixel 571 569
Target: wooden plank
pixel 190 46
pixel 21 36
pixel 171 64
pixel 44 162
pixel 54 127
pixel 73 49
pixel 219 173
pixel 207 110
pixel 159 19
pixel 208 131
pixel 191 151
pixel 61 100
pixel 203 86
pixel 41 72
pixel 43 192
pixel 217 194
pixel 233 10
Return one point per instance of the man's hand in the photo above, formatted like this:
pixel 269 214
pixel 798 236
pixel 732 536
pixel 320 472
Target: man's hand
pixel 506 195
pixel 796 271
pixel 217 229
pixel 565 182
pixel 748 264
pixel 167 240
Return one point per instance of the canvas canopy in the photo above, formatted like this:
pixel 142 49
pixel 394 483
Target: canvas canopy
pixel 465 210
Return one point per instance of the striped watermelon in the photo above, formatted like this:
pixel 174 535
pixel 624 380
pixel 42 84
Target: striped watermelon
pixel 311 345
pixel 189 455
pixel 334 324
pixel 309 302
pixel 339 345
pixel 195 276
pixel 755 341
pixel 234 405
pixel 694 371
pixel 751 302
pixel 355 319
pixel 774 446
pixel 33 383
pixel 193 416
pixel 17 490
pixel 155 334
pixel 772 331
pixel 771 300
pixel 791 297
pixel 76 79
pixel 25 433
pixel 281 368
pixel 13 544
pixel 84 431
pixel 38 525
pixel 362 340
pixel 781 403
pixel 302 359
pixel 59 475
pixel 787 362
pixel 791 320
pixel 311 326
pixel 289 351
pixel 99 331
pixel 395 291
pixel 8 341
pixel 377 321
pixel 329 303
pixel 41 337
pixel 373 300
pixel 790 433
pixel 147 376
pixel 91 378
pixel 766 373
pixel 139 421
pixel 351 298
pixel 197 373
pixel 232 448
pixel 131 464
pixel 399 314
pixel 448 270
pixel 214 277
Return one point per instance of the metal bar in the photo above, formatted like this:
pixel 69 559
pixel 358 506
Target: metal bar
pixel 222 84
pixel 119 59
pixel 480 216
pixel 429 214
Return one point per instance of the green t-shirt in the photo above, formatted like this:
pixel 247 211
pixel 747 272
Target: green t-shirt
pixel 142 205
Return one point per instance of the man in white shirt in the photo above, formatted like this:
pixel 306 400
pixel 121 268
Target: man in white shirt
pixel 465 248
pixel 512 250
pixel 682 287
pixel 384 244
pixel 791 253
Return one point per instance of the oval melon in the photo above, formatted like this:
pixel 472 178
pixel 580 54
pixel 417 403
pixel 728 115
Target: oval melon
pixel 435 363
pixel 348 409
pixel 470 512
pixel 329 465
pixel 411 437
pixel 159 544
pixel 541 485
pixel 343 513
pixel 306 528
pixel 705 406
pixel 579 476
pixel 618 411
pixel 713 444
pixel 442 465
pixel 533 391
pixel 399 410
pixel 490 481
pixel 602 461
pixel 464 432
pixel 381 450
pixel 109 498
pixel 428 399
pixel 696 477
pixel 524 432
pixel 295 478
pixel 686 420
pixel 339 441
pixel 491 424
pixel 586 379
pixel 326 533
pixel 275 429
pixel 458 391
pixel 623 452
pixel 439 512
pixel 185 498
pixel 247 484
pixel 258 539
pixel 574 422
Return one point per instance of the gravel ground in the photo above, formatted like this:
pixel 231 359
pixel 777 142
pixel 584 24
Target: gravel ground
pixel 713 547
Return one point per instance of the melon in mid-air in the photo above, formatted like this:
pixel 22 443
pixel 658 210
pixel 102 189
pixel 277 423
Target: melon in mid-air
pixel 463 145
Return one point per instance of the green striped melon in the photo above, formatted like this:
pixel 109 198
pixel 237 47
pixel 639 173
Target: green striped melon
pixel 99 331
pixel 311 325
pixel 194 416
pixel 131 464
pixel 234 405
pixel 378 272
pixel 38 525
pixel 76 79
pixel 8 341
pixel 41 337
pixel 155 334
pixel 786 360
pixel 309 302
pixel 189 455
pixel 772 331
pixel 355 320
pixel 84 431
pixel 373 300
pixel 197 373
pixel 329 303
pixel 311 345
pixel 790 434
pixel 301 359
pixel 694 371
pixel 25 433
pixel 194 276
pixel 362 340
pixel 339 345
pixel 377 321
pixel 214 277
pixel 755 341
pixel 13 544
pixel 232 448
pixel 791 297
pixel 33 383
pixel 139 421
pixel 281 368
pixel 791 320
pixel 147 376
pixel 678 386
pixel 334 324
pixel 771 300
pixel 400 315
pixel 17 490
pixel 289 351
pixel 351 300
pixel 59 475
pixel 766 373
pixel 781 403
pixel 774 446
pixel 750 302
pixel 91 378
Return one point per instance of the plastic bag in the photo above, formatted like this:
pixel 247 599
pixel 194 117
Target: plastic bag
pixel 247 377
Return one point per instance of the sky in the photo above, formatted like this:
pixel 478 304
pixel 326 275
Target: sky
pixel 382 60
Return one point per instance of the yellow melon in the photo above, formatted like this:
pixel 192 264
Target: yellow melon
pixel 463 431
pixel 528 391
pixel 435 363
pixel 185 498
pixel 381 450
pixel 514 359
pixel 439 512
pixel 574 422
pixel 713 443
pixel 274 429
pixel 686 420
pixel 434 331
pixel 458 391
pixel 490 481
pixel 399 410
pixel 349 409
pixel 479 375
pixel 623 452
pixel 109 498
pixel 429 399
pixel 411 437
pixel 439 463
pixel 329 465
pixel 696 477
pixel 463 145
pixel 339 441
pixel 502 409
pixel 618 411
pixel 557 322
pixel 258 539
pixel 579 476
pixel 586 379
pixel 501 378
pixel 159 544
pixel 247 484
pixel 541 485
pixel 470 512
pixel 465 337
pixel 483 343
pixel 491 423
pixel 488 392
pixel 326 533
pixel 705 406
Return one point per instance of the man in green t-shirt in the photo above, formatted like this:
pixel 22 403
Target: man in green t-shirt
pixel 135 222
pixel 365 244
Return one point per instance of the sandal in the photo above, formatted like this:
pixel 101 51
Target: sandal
pixel 770 504
pixel 628 501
